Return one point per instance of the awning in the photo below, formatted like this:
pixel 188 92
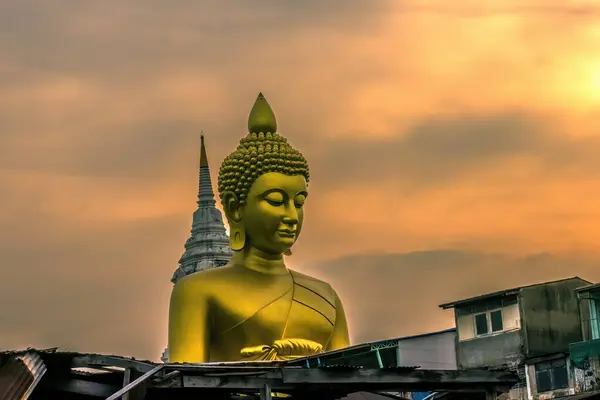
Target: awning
pixel 581 352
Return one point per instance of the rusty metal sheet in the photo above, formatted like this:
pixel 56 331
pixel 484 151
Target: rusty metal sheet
pixel 19 375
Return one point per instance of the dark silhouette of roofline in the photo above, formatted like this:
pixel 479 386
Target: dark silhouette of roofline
pixel 588 288
pixel 504 293
pixel 111 377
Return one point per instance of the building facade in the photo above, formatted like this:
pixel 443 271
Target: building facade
pixel 208 244
pixel 527 329
pixel 585 354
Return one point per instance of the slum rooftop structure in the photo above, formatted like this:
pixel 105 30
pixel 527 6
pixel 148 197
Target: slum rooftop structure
pixel 51 374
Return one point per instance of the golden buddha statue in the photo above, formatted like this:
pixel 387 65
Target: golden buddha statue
pixel 254 308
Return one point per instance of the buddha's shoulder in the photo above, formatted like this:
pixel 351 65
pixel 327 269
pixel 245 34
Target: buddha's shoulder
pixel 207 281
pixel 315 285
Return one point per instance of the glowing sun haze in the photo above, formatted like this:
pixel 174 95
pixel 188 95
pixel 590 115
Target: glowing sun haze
pixel 453 150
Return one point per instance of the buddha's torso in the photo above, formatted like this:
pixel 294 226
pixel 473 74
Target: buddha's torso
pixel 249 308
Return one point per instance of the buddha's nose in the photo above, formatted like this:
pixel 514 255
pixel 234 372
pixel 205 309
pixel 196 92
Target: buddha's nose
pixel 291 218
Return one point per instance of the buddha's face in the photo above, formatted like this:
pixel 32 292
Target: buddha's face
pixel 273 212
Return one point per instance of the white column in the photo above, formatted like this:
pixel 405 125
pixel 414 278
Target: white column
pixel 528 383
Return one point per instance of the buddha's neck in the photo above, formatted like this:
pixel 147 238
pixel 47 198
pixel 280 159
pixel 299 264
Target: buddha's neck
pixel 260 261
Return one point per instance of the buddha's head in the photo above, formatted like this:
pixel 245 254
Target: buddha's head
pixel 263 187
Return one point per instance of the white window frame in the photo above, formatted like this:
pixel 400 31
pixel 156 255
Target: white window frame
pixel 594 320
pixel 488 317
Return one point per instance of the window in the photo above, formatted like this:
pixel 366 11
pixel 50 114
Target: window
pixel 594 320
pixel 481 324
pixel 551 375
pixel 496 319
pixel 488 322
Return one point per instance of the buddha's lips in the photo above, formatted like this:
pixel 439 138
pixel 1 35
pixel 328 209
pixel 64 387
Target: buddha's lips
pixel 286 232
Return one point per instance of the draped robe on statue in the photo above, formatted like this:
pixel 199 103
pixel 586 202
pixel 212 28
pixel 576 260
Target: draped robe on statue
pixel 293 319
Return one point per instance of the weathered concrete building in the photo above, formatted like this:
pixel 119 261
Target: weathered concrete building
pixel 527 329
pixel 585 354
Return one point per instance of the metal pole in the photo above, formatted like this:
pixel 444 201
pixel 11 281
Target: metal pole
pixel 490 394
pixel 126 381
pixel 265 392
pixel 379 361
pixel 135 383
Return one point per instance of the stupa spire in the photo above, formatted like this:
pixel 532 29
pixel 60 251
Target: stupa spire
pixel 262 117
pixel 205 189
pixel 203 159
pixel 208 244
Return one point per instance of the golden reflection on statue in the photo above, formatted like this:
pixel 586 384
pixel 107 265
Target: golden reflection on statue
pixel 254 308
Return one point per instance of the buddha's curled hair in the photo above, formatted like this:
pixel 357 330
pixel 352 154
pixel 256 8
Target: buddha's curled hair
pixel 257 154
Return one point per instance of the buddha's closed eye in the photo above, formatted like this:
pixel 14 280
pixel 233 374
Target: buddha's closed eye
pixel 274 198
pixel 299 200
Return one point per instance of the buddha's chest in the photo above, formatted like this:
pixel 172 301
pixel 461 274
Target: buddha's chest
pixel 254 320
pixel 247 300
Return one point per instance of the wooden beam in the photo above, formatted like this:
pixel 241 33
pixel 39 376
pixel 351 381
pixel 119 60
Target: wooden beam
pixel 137 393
pixel 265 392
pixel 126 381
pixel 136 382
pixel 172 379
pixel 471 377
pixel 91 360
pixel 491 394
pixel 356 380
pixel 87 388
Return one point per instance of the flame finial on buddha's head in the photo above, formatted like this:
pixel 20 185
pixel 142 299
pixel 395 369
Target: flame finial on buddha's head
pixel 262 118
pixel 262 150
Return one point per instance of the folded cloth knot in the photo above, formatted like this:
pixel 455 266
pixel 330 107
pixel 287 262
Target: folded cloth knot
pixel 284 349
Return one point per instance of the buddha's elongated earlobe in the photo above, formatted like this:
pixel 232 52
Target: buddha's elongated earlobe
pixel 237 236
pixel 237 229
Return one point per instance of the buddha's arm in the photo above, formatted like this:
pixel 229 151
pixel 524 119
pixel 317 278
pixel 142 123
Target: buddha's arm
pixel 189 331
pixel 339 337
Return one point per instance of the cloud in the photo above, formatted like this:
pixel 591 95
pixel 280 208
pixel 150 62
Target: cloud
pixel 439 149
pixel 426 126
pixel 90 289
pixel 394 295
pixel 435 149
pixel 134 40
pixel 145 150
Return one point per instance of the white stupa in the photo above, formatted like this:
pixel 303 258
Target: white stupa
pixel 208 245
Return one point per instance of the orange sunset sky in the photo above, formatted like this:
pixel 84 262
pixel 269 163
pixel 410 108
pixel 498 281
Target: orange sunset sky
pixel 454 149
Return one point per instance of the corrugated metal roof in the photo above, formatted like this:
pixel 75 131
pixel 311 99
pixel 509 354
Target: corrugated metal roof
pixel 67 354
pixel 402 368
pixel 366 345
pixel 370 396
pixel 21 371
pixel 341 367
pixel 20 374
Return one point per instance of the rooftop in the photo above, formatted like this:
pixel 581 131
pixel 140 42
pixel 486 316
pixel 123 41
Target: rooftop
pixel 362 348
pixel 50 374
pixel 588 288
pixel 503 293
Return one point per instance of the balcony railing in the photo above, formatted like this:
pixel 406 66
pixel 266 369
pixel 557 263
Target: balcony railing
pixel 585 362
